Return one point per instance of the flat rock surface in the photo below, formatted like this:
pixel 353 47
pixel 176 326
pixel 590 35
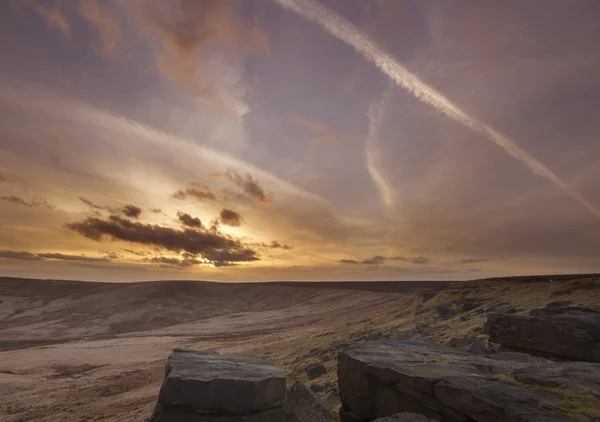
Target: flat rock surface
pixel 404 417
pixel 386 377
pixel 302 405
pixel 567 332
pixel 206 382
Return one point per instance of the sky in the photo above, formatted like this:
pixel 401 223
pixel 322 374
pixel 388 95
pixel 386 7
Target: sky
pixel 258 140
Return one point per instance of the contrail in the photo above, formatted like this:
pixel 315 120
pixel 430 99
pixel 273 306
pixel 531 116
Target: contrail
pixel 350 34
pixel 373 155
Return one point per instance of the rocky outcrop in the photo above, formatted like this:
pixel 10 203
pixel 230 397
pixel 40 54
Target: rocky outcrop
pixel 563 331
pixel 386 377
pixel 405 417
pixel 206 387
pixel 302 405
pixel 315 370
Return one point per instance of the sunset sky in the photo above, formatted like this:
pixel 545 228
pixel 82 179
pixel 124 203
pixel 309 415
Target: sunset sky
pixel 299 139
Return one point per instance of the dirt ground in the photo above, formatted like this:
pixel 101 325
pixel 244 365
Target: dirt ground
pixel 72 351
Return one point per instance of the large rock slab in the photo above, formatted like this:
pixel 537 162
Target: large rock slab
pixel 567 332
pixel 302 405
pixel 405 417
pixel 386 377
pixel 202 386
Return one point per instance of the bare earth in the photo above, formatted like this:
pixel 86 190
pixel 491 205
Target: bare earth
pixel 74 351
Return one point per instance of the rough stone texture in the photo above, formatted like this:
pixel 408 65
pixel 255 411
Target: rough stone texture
pixel 302 405
pixel 568 332
pixel 478 347
pixel 205 386
pixel 404 417
pixel 315 370
pixel 386 377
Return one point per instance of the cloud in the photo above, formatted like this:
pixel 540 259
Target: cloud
pixel 197 193
pixel 378 260
pixel 184 262
pixel 472 260
pixel 230 217
pixel 373 154
pixel 128 210
pixel 211 245
pixel 23 256
pixel 34 203
pixel 345 31
pixel 28 256
pixel 276 245
pixel 54 19
pixel 324 134
pixel 248 184
pixel 188 220
pixel 90 203
pixel 131 211
pixel 107 25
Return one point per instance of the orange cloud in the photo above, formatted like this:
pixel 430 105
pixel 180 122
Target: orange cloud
pixel 324 134
pixel 54 19
pixel 107 26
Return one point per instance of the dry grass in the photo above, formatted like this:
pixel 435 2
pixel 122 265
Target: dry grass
pixel 576 285
pixel 507 379
pixel 578 403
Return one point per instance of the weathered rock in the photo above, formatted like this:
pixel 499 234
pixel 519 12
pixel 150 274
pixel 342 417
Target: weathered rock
pixel 461 342
pixel 317 388
pixel 568 332
pixel 302 405
pixel 199 386
pixel 332 400
pixel 478 347
pixel 386 377
pixel 404 417
pixel 315 370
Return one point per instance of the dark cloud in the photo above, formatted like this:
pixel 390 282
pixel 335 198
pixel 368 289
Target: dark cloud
pixel 276 245
pixel 174 262
pixel 188 220
pixel 90 203
pixel 127 210
pixel 196 193
pixel 209 244
pixel 34 203
pixel 378 260
pixel 131 211
pixel 248 184
pixel 472 261
pixel 231 217
pixel 420 260
pixel 156 210
pixel 28 256
pixel 138 253
pixel 23 256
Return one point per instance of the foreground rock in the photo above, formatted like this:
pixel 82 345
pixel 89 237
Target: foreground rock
pixel 405 417
pixel 563 331
pixel 302 405
pixel 206 387
pixel 383 378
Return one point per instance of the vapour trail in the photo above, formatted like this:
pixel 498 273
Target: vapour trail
pixel 373 154
pixel 345 31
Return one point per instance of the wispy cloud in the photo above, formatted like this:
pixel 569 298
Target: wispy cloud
pixel 373 153
pixel 350 34
pixel 54 18
pixel 105 23
pixel 34 203
pixel 29 256
pixel 324 135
